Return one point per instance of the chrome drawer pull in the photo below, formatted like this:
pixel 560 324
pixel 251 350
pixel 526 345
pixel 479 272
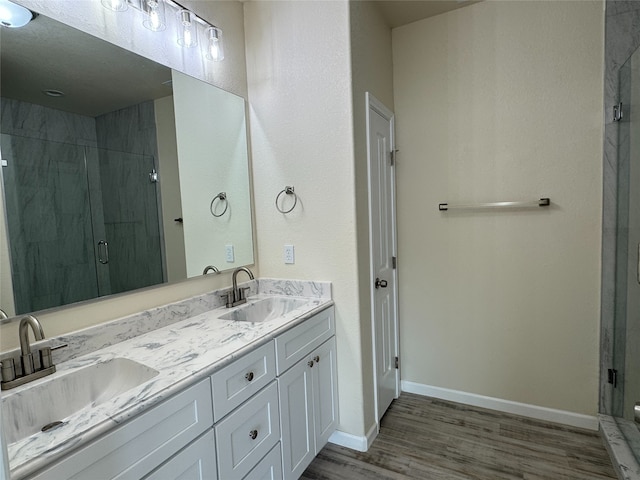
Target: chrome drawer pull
pixel 249 376
pixel 253 434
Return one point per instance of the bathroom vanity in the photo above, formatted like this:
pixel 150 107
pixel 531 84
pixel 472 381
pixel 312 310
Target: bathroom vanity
pixel 209 396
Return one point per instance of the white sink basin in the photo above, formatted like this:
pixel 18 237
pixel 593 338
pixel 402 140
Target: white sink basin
pixel 27 410
pixel 265 309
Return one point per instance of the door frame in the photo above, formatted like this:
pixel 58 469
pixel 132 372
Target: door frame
pixel 374 105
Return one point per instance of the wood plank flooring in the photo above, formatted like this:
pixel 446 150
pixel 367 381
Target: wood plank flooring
pixel 429 439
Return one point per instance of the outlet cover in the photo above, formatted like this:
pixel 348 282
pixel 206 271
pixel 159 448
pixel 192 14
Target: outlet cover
pixel 228 253
pixel 289 254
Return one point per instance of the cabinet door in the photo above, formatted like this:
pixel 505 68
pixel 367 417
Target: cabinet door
pixel 296 414
pixel 325 393
pixel 195 462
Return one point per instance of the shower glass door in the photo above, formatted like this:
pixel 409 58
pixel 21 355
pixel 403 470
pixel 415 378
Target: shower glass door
pixel 47 201
pixel 82 222
pixel 627 314
pixel 131 220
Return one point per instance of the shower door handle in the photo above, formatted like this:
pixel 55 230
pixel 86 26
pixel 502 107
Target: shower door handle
pixel 103 252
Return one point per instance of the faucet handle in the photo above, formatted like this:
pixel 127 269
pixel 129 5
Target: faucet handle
pixel 46 360
pixel 241 293
pixel 228 298
pixel 8 370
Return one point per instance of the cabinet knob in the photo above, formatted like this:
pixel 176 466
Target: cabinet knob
pixel 249 376
pixel 316 359
pixel 253 434
pixel 310 363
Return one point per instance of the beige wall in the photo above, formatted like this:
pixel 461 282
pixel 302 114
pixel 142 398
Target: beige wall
pixel 230 75
pixel 298 69
pixel 371 66
pixel 170 189
pixel 502 101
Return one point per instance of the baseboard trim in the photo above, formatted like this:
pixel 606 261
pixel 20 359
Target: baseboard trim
pixel 526 410
pixel 355 442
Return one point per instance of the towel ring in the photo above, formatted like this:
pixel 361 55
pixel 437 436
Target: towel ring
pixel 221 196
pixel 287 191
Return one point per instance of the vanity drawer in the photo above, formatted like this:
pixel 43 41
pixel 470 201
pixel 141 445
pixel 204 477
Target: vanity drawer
pixel 269 468
pixel 195 462
pixel 293 345
pixel 241 379
pixel 248 434
pixel 140 445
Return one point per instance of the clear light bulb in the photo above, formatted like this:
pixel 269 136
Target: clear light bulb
pixel 115 5
pixel 188 33
pixel 215 50
pixel 155 20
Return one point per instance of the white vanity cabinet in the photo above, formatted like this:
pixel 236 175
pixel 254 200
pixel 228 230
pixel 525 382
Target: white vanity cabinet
pixel 142 444
pixel 264 416
pixel 307 391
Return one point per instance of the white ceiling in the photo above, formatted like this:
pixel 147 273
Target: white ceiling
pixel 46 54
pixel 96 76
pixel 402 12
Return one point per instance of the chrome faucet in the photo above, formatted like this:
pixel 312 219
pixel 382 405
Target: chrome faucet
pixel 3 315
pixel 237 296
pixel 9 377
pixel 25 347
pixel 210 268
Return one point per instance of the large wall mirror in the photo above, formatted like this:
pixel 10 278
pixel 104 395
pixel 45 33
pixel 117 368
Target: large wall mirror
pixel 117 172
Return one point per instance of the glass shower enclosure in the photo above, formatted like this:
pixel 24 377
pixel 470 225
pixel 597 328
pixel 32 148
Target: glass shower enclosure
pixel 625 376
pixel 82 221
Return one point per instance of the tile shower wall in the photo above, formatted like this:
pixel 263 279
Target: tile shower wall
pixel 128 146
pixel 64 195
pixel 48 204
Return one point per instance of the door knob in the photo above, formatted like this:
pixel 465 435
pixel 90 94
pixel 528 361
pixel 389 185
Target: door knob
pixel 380 283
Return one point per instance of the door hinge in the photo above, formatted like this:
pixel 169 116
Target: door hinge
pixel 397 362
pixel 394 263
pixel 617 112
pixel 612 377
pixel 392 154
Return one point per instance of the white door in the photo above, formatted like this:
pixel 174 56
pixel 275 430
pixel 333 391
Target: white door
pixel 383 252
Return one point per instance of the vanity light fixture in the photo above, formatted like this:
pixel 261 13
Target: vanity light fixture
pixel 188 23
pixel 155 20
pixel 215 50
pixel 116 5
pixel 13 15
pixel 188 29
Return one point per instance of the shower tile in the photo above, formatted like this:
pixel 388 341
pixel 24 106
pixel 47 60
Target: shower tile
pixel 621 7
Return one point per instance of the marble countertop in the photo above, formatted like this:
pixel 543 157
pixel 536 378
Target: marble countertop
pixel 183 353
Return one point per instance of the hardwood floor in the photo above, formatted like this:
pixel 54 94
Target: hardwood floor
pixel 429 439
